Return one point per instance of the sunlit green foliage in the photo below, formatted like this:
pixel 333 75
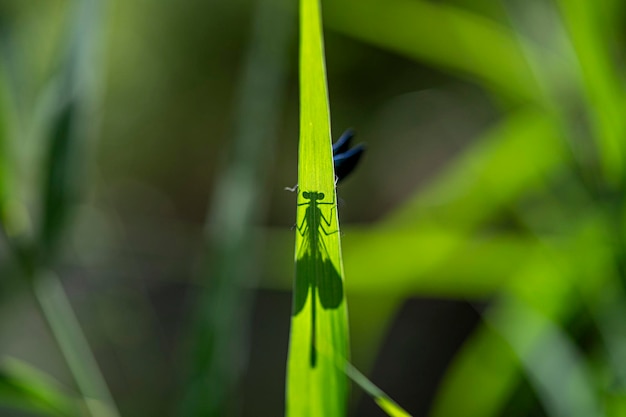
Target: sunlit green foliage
pixel 524 218
pixel 435 244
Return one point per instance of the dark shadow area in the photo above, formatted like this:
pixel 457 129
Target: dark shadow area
pixel 418 348
pixel 264 385
pixel 314 268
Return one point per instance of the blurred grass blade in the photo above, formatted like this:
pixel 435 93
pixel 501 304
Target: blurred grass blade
pixel 5 180
pixel 589 34
pixel 13 220
pixel 513 157
pixel 487 369
pixel 61 182
pixel 609 314
pixel 316 386
pixel 24 387
pixel 65 327
pixel 453 265
pixel 70 120
pixel 517 338
pixel 384 402
pixel 556 368
pixel 443 35
pixel 480 378
pixel 71 109
pixel 229 270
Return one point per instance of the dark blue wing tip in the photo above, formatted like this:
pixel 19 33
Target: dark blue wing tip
pixel 344 158
pixel 343 143
pixel 346 162
pixel 351 154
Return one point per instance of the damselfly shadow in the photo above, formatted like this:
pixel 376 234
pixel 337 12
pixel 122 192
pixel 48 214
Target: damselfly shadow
pixel 315 272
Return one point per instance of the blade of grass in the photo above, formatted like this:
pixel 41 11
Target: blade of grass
pixel 384 402
pixel 5 181
pixel 479 379
pixel 549 357
pixel 70 117
pixel 316 386
pixel 446 36
pixel 71 123
pixel 26 388
pixel 603 87
pixel 486 371
pixel 66 329
pixel 220 331
pixel 608 313
pixel 14 221
pixel 513 157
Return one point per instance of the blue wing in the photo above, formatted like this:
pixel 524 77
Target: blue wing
pixel 343 143
pixel 346 162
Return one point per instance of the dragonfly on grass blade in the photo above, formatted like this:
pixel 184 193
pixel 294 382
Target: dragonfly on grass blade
pixel 314 268
pixel 315 272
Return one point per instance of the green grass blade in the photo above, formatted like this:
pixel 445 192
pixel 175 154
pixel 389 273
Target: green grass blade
pixel 517 337
pixel 316 386
pixel 71 116
pixel 4 157
pixel 486 371
pixel 230 263
pixel 443 35
pixel 384 402
pixel 513 157
pixel 74 347
pixel 554 364
pixel 591 40
pixel 60 189
pixel 26 388
pixel 13 220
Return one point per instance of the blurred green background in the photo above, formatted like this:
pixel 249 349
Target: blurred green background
pixel 144 151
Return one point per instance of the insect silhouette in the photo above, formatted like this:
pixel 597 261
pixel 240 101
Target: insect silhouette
pixel 344 158
pixel 314 269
